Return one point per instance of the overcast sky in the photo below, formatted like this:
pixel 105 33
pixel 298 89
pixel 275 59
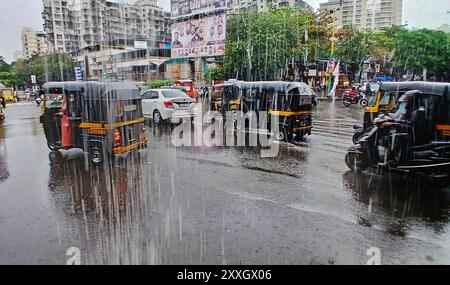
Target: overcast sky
pixel 16 14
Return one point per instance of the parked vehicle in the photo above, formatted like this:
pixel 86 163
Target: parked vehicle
pixel 190 86
pixel 8 94
pixel 21 95
pixel 416 139
pixel 168 104
pixel 104 120
pixel 354 96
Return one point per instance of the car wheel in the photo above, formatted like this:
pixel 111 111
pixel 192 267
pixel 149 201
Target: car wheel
pixel 157 118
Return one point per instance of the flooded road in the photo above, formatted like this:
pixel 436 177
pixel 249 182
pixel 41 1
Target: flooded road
pixel 213 205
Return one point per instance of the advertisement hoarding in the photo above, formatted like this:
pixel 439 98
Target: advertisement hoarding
pixel 140 45
pixel 186 8
pixel 199 38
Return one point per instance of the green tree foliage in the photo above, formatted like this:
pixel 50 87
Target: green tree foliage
pixel 261 45
pixel 417 50
pixel 154 84
pixel 216 73
pixel 51 67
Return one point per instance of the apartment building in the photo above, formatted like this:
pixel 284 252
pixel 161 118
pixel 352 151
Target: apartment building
pixel 262 5
pixel 75 24
pixel 362 14
pixel 335 8
pixel 33 42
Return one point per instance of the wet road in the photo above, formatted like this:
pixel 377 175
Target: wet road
pixel 213 205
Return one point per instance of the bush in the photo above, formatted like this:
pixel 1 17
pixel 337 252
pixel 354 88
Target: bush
pixel 154 84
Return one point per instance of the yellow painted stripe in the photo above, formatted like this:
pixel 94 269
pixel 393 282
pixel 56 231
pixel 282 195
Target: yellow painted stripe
pixel 302 128
pixel 443 127
pixel 118 125
pixel 107 126
pixel 122 150
pixel 287 113
pixel 100 132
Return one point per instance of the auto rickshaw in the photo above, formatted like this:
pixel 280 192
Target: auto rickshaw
pixel 382 98
pixel 291 102
pixel 190 86
pixel 8 94
pixel 226 96
pixel 103 119
pixel 418 142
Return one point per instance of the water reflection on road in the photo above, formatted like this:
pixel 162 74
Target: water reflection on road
pixel 215 205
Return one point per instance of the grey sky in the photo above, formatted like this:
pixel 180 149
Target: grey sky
pixel 16 14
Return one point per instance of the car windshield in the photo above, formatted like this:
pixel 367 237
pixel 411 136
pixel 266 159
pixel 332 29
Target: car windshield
pixel 175 93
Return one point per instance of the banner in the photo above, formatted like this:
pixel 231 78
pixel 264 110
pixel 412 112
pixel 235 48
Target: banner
pixel 140 45
pixel 336 80
pixel 185 8
pixel 199 38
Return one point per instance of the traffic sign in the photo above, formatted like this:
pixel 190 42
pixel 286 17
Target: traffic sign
pixel 78 73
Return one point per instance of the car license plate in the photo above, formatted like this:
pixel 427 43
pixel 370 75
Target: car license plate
pixel 183 105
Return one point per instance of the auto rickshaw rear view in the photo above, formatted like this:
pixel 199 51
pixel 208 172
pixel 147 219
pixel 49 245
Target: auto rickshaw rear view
pixel 290 102
pixel 415 139
pixel 104 120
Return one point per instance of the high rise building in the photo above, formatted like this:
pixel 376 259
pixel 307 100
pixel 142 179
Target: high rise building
pixel 373 14
pixel 262 5
pixel 75 24
pixel 33 42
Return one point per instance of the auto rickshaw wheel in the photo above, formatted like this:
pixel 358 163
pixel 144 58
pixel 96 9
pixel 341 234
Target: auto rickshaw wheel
pixel 96 154
pixel 355 161
pixel 364 102
pixel 55 156
pixel 283 135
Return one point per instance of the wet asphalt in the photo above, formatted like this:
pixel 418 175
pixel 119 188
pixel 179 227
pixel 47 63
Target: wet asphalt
pixel 213 205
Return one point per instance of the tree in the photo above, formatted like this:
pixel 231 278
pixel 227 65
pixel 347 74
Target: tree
pixel 50 67
pixel 260 46
pixel 4 67
pixel 422 51
pixel 215 73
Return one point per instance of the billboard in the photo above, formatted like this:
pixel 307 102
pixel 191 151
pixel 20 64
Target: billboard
pixel 185 8
pixel 199 38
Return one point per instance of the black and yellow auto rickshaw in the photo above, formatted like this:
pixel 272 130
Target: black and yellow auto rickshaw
pixel 226 96
pixel 103 119
pixel 290 102
pixel 381 98
pixel 414 139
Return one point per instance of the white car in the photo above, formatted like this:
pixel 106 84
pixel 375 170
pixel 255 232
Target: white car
pixel 167 105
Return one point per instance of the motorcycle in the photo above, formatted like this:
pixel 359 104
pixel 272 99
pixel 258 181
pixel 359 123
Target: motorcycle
pixel 355 96
pixel 38 101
